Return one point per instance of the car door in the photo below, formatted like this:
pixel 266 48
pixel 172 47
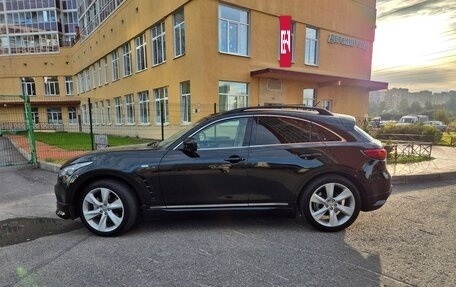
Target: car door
pixel 213 176
pixel 283 150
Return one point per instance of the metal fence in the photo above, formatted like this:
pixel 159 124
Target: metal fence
pixel 15 149
pixel 96 128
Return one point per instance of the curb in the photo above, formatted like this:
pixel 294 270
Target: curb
pixel 52 167
pixel 417 178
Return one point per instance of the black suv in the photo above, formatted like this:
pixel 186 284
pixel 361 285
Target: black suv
pixel 287 158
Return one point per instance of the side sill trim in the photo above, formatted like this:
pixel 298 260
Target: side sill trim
pixel 202 206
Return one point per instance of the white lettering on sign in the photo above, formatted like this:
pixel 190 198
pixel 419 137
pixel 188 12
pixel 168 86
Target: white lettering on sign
pixel 338 39
pixel 285 41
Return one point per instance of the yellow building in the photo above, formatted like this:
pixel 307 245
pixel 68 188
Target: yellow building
pixel 194 57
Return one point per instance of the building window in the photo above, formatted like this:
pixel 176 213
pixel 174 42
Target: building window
pixel 141 57
pixel 99 73
pixel 158 44
pixel 118 111
pixel 308 98
pixel 28 87
pixel 69 90
pixel 72 116
pixel 81 85
pixel 161 100
pixel 108 112
pixel 102 113
pixel 144 112
pixel 87 78
pixel 129 109
pixel 185 103
pixel 115 65
pixel 311 53
pixel 274 85
pixel 54 116
pixel 94 78
pixel 126 52
pixel 35 115
pixel 233 30
pixel 179 33
pixel 95 114
pixel 233 95
pixel 106 73
pixel 84 114
pixel 51 86
pixel 327 104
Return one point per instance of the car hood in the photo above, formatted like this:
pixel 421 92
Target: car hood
pixel 116 157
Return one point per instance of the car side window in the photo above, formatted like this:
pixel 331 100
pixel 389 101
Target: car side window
pixel 284 130
pixel 223 134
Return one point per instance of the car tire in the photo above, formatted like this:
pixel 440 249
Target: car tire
pixel 330 203
pixel 108 208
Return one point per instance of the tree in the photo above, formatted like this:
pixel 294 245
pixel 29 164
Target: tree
pixel 415 108
pixel 428 106
pixel 441 115
pixel 403 106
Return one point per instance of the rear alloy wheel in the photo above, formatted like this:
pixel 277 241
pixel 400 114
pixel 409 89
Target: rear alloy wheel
pixel 108 208
pixel 330 203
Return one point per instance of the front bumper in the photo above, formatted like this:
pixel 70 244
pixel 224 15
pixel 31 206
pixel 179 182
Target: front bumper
pixel 64 209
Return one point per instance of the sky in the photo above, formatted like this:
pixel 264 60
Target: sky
pixel 415 44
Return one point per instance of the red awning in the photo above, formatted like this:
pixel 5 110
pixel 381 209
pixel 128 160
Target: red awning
pixel 321 80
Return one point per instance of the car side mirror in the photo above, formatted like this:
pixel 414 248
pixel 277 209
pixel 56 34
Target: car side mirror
pixel 190 146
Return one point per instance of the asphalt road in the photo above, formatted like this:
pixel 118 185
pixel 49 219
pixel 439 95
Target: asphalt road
pixel 9 154
pixel 408 242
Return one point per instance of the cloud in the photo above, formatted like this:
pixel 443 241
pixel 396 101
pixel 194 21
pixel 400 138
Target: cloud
pixel 415 45
pixel 437 78
pixel 394 8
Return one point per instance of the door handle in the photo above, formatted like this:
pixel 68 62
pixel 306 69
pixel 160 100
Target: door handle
pixel 309 155
pixel 234 159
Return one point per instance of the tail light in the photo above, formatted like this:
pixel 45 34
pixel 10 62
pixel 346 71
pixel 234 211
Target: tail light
pixel 377 153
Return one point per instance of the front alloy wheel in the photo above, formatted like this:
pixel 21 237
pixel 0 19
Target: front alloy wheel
pixel 330 203
pixel 108 208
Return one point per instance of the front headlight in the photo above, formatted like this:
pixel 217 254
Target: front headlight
pixel 66 172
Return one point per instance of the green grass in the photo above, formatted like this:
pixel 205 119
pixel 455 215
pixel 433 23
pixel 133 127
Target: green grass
pixel 81 141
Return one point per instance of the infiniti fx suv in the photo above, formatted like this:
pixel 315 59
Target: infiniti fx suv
pixel 289 158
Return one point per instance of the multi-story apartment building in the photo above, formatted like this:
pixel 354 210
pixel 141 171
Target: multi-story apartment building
pixel 35 58
pixel 192 57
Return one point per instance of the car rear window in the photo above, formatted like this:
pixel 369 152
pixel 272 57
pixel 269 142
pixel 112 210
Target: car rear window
pixel 364 135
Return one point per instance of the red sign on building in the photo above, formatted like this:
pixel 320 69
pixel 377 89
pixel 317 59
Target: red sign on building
pixel 285 41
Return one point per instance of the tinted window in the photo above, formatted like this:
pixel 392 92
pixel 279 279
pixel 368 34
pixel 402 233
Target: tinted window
pixel 282 130
pixel 229 133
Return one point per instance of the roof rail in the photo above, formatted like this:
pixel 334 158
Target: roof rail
pixel 320 111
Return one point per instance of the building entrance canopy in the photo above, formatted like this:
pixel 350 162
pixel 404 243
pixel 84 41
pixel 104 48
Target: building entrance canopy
pixel 321 80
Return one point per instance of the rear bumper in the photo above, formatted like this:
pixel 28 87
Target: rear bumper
pixel 376 201
pixel 380 190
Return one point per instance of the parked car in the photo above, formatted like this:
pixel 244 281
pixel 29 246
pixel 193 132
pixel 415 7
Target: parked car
pixel 437 124
pixel 287 158
pixel 412 119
